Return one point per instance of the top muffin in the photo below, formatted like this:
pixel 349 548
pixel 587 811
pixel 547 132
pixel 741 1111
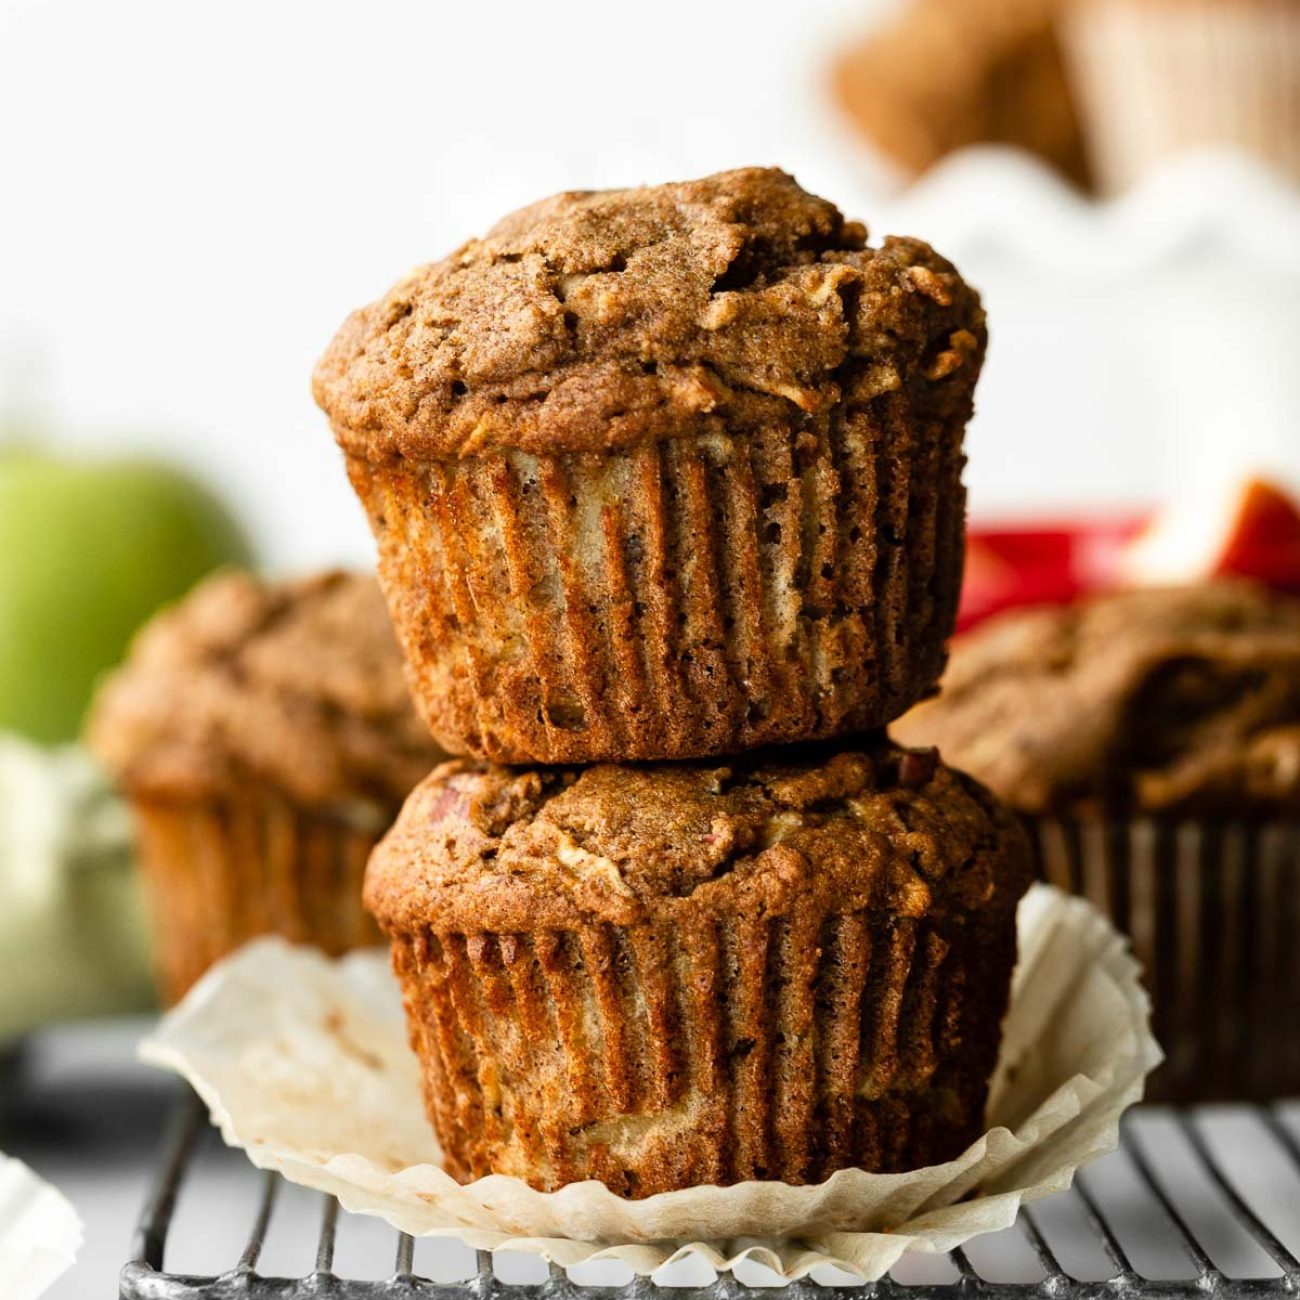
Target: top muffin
pixel 594 320
pixel 664 473
pixel 297 684
pixel 1177 701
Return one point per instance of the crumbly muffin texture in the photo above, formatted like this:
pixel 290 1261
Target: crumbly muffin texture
pixel 1179 701
pixel 480 847
pixel 595 320
pixel 676 975
pixel 297 685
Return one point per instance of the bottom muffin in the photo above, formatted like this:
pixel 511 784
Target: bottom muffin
pixel 684 974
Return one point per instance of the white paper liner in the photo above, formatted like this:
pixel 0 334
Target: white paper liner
pixel 40 1232
pixel 304 1063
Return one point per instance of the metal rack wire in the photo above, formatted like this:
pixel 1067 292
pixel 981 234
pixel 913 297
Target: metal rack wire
pixel 145 1278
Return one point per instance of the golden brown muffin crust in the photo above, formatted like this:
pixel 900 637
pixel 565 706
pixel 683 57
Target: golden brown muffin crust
pixel 296 683
pixel 1174 701
pixel 479 848
pixel 595 320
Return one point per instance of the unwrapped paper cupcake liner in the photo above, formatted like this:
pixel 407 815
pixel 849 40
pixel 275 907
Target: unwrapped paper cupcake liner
pixel 1213 911
pixel 1156 78
pixel 701 595
pixel 303 1062
pixel 220 873
pixel 40 1232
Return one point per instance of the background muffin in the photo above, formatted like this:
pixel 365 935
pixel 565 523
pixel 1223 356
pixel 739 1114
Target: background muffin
pixel 265 738
pixel 938 75
pixel 664 472
pixel 1153 738
pixel 1156 77
pixel 681 974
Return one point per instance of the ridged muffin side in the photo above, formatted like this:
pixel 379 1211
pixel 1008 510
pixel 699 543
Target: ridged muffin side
pixel 668 976
pixel 223 871
pixel 664 473
pixel 691 597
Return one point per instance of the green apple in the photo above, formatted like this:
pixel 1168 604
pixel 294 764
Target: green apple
pixel 89 549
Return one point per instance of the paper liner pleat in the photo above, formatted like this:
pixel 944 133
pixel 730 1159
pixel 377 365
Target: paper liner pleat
pixel 40 1232
pixel 220 873
pixel 696 596
pixel 656 1055
pixel 1214 916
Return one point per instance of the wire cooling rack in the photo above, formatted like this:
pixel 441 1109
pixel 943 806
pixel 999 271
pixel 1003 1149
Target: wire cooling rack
pixel 1233 1239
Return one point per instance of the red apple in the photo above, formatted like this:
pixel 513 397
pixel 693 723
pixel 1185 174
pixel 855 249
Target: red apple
pixel 1252 530
pixel 1039 562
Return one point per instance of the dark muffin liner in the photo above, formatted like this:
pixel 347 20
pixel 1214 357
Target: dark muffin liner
pixel 1213 910
pixel 218 874
pixel 673 1054
pixel 699 596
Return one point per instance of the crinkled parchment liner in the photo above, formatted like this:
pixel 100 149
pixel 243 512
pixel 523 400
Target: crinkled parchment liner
pixel 40 1232
pixel 303 1062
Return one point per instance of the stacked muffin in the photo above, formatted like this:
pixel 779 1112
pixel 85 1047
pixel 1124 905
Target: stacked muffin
pixel 666 486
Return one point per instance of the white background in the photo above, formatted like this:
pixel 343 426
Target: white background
pixel 198 194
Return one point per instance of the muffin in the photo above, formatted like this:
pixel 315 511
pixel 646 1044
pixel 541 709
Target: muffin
pixel 1152 740
pixel 265 739
pixel 1156 77
pixel 939 75
pixel 664 473
pixel 679 974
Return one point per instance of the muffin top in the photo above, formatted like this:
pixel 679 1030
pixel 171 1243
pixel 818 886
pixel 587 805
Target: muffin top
pixel 595 320
pixel 488 848
pixel 298 684
pixel 1178 700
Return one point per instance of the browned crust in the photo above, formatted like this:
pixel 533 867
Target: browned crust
pixel 222 872
pixel 594 321
pixel 478 847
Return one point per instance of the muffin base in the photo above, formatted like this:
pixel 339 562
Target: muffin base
pixel 687 598
pixel 1214 914
pixel 676 1054
pixel 1157 79
pixel 220 873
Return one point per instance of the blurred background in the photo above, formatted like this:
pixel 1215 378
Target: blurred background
pixel 195 196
